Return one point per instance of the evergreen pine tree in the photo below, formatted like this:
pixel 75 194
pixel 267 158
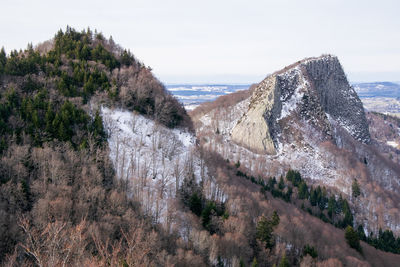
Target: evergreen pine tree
pixel 355 188
pixel 35 119
pixel 294 177
pixel 206 213
pixel 62 132
pixel 313 196
pixel 3 60
pixel 290 176
pixel 254 263
pixel 284 261
pixel 126 58
pixel 352 238
pixel 275 218
pixel 49 117
pixel 271 183
pixel 310 250
pixel 319 194
pixel 348 217
pixel 265 228
pixel 339 205
pixel 97 128
pixel 331 206
pixel 303 190
pixel 297 178
pixel 237 165
pixel 195 204
pixel 220 263
pixel 288 194
pixel 323 199
pixel 85 53
pixel 88 87
pixel 3 145
pixel 361 233
pixel 281 183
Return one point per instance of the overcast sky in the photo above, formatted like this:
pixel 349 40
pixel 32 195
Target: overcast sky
pixel 223 40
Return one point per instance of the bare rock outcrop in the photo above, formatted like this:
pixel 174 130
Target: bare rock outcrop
pixel 314 90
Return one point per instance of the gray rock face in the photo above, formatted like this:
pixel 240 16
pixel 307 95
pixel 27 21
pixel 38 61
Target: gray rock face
pixel 314 90
pixel 337 97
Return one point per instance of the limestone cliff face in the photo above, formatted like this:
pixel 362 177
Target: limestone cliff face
pixel 252 131
pixel 315 91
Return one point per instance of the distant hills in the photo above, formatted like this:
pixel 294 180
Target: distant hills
pixel 377 89
pixel 382 97
pixel 192 95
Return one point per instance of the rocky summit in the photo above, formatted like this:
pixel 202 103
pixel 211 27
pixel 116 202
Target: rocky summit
pixel 314 91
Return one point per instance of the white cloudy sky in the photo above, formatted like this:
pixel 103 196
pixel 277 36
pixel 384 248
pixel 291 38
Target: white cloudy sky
pixel 224 40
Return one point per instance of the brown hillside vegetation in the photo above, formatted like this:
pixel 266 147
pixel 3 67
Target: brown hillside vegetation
pixel 78 210
pixel 385 128
pixel 222 102
pixel 296 228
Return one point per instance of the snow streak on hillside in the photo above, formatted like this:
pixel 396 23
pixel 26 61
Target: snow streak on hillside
pixel 152 158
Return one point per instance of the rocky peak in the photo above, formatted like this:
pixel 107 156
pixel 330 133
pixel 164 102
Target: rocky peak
pixel 315 91
pixel 338 99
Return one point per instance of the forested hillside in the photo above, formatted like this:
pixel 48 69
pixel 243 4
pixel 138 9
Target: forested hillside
pixel 60 201
pixel 100 166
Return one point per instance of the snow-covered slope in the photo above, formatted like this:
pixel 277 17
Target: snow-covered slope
pixel 153 159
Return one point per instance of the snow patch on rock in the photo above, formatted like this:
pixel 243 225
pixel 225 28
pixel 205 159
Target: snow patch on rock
pixel 393 144
pixel 289 105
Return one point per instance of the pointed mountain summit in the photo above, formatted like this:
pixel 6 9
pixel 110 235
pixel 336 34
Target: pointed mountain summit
pixel 314 91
